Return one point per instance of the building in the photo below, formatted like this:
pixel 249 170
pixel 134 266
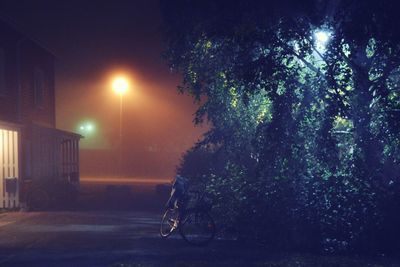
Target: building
pixel 32 150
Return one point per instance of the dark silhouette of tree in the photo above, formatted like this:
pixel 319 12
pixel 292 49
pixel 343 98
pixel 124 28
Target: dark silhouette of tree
pixel 303 100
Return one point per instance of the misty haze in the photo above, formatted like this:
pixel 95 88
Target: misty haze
pixel 199 133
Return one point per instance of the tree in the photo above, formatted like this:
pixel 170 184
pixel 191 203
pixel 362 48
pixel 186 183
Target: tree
pixel 303 104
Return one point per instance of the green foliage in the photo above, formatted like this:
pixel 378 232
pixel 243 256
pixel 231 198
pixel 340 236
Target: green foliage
pixel 304 140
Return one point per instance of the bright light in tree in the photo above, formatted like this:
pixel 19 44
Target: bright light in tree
pixel 321 39
pixel 322 36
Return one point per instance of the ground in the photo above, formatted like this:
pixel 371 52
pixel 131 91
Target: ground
pixel 129 237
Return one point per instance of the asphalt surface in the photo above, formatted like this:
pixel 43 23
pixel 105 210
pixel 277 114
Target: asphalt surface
pixel 118 226
pixel 101 238
pixel 114 223
pixel 130 239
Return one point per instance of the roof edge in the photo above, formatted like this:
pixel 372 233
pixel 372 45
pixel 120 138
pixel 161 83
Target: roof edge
pixel 18 28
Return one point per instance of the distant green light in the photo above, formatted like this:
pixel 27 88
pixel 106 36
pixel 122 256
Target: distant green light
pixel 86 128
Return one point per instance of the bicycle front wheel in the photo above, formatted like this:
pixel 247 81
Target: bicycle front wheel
pixel 197 227
pixel 169 222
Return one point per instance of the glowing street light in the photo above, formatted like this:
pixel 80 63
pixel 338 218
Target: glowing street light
pixel 120 85
pixel 321 38
pixel 87 128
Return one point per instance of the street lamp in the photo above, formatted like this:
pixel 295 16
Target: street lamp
pixel 87 128
pixel 120 86
pixel 322 36
pixel 321 39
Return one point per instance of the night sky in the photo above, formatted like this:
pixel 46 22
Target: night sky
pixel 93 41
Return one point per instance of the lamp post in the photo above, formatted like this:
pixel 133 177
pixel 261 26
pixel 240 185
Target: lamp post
pixel 120 86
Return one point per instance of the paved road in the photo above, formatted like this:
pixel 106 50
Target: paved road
pixel 98 239
pixel 112 238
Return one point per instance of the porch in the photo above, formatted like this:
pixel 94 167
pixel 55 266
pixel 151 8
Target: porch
pixel 33 154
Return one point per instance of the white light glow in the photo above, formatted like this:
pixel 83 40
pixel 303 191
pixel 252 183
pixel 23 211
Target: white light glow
pixel 87 128
pixel 120 85
pixel 321 40
pixel 322 36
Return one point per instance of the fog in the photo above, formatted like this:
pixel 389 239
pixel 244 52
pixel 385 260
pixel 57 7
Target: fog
pixel 90 46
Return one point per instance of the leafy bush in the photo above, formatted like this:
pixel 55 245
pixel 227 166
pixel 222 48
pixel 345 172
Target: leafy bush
pixel 303 150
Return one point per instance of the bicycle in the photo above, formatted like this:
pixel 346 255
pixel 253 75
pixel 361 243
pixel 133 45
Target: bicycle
pixel 195 224
pixel 47 194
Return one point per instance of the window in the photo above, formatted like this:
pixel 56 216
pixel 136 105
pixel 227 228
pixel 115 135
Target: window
pixel 2 72
pixel 38 87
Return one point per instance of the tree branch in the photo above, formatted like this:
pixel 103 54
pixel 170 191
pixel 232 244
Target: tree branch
pixel 390 67
pixel 353 65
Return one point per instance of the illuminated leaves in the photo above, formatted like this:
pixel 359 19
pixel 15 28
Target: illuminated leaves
pixel 303 132
pixel 371 48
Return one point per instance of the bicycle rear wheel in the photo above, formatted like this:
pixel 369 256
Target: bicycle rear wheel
pixel 197 227
pixel 38 200
pixel 169 222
